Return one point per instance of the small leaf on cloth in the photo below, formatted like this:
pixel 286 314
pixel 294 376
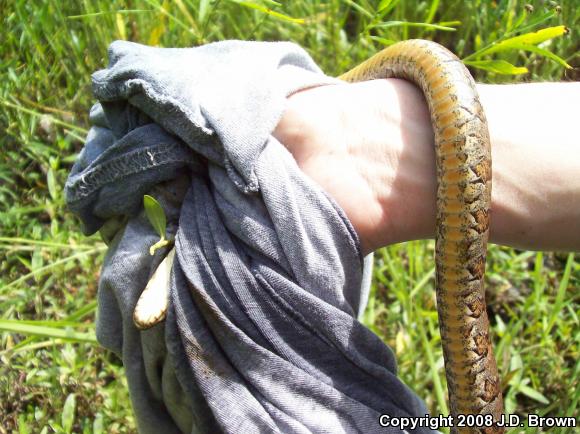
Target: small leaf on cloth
pixel 155 214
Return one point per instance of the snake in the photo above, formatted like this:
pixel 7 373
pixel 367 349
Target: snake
pixel 463 170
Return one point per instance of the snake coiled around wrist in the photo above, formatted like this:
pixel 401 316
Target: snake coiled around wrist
pixel 463 168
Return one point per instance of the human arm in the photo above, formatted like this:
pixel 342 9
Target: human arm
pixel 370 146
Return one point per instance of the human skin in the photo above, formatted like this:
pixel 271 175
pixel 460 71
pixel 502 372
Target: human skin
pixel 370 146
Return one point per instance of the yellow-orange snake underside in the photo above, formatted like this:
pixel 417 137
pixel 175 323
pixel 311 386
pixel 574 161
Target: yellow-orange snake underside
pixel 463 162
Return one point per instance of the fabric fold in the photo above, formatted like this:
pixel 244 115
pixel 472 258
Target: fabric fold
pixel 262 332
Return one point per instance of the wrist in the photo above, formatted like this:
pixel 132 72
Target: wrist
pixel 370 146
pixel 412 200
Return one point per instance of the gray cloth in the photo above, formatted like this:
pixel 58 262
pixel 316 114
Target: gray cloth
pixel 261 334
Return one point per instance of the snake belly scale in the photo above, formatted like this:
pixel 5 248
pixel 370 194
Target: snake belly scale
pixel 463 168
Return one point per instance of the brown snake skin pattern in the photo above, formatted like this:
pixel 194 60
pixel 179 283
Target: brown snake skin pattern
pixel 463 162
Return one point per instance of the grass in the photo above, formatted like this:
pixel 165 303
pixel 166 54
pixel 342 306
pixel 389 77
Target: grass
pixel 53 378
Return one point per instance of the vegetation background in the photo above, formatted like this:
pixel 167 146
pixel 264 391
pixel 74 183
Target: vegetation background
pixel 53 376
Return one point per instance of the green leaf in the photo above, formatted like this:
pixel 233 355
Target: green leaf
pixel 562 287
pixel 68 413
pixel 542 52
pixel 532 38
pixel 506 37
pixel 505 381
pixel 516 364
pixel 98 424
pixel 155 215
pixel 50 181
pixel 384 41
pixel 533 394
pixel 383 5
pixel 539 36
pixel 203 8
pixel 36 262
pixel 386 6
pixel 497 66
pixel 22 425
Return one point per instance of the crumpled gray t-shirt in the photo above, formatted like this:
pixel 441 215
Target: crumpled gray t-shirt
pixel 262 333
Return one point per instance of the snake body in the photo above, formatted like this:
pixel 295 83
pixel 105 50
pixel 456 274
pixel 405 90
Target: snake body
pixel 463 168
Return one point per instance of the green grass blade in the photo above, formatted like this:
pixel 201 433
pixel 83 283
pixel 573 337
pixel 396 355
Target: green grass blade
pixel 104 13
pixel 42 243
pixel 359 8
pixel 52 118
pixel 15 326
pixel 428 276
pixel 49 267
pixel 427 26
pixel 85 310
pixel 268 11
pixel 54 323
pixel 172 17
pixel 558 303
pixel 432 10
pixel 30 342
pixel 439 393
